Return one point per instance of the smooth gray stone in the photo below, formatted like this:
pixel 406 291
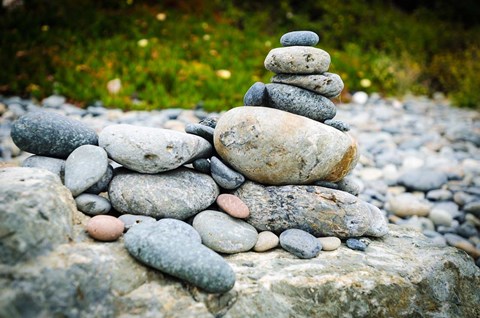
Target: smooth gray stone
pixel 439 195
pixel 423 179
pixel 152 150
pixel 297 60
pixel 54 101
pixel 200 130
pixel 337 124
pixel 177 194
pixel 356 244
pixel 92 204
pixel 50 134
pixel 327 84
pixel 300 101
pixel 225 177
pixel 131 220
pixel 301 38
pixel 350 185
pixel 256 94
pixel 177 254
pixel 210 121
pixel 202 165
pixel 223 233
pixel 473 208
pixel 326 184
pixel 181 228
pixel 102 184
pixel 319 211
pixel 300 243
pixel 55 165
pixel 36 213
pixel 85 166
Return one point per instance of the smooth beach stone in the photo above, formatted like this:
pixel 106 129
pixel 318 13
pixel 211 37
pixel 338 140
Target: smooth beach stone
pixel 202 165
pixel 200 130
pixel 54 101
pixel 226 177
pixel 176 254
pixel 317 210
pixel 337 124
pixel 181 228
pixel 102 184
pixel 301 38
pixel 84 167
pixel 152 150
pixel 50 134
pixel 326 184
pixel 356 244
pixel 407 204
pixel 131 220
pixel 210 121
pixel 440 217
pixel 329 243
pixel 233 205
pixel 266 241
pixel 473 208
pixel 423 179
pixel 300 243
pixel 256 94
pixel 297 60
pixel 92 204
pixel 327 84
pixel 105 228
pixel 177 194
pixel 274 147
pixel 299 101
pixel 349 184
pixel 55 165
pixel 224 234
pixel 439 195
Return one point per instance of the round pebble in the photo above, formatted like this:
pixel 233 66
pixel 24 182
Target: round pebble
pixel 440 217
pixel 337 124
pixel 266 241
pixel 92 204
pixel 131 220
pixel 255 96
pixel 357 245
pixel 301 38
pixel 202 165
pixel 300 243
pixel 233 205
pixel 105 228
pixel 203 131
pixel 330 243
pixel 406 204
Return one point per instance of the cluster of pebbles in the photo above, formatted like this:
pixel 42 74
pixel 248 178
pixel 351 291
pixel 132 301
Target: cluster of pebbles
pixel 258 176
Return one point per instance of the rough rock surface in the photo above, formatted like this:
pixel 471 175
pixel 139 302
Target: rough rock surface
pixel 317 210
pixel 271 146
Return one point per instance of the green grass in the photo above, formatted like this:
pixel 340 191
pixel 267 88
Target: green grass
pixel 75 47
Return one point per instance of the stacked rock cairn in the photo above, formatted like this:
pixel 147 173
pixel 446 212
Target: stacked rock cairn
pixel 271 172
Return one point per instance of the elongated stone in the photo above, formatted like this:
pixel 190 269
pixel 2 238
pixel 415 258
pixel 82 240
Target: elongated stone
pixel 297 60
pixel 326 84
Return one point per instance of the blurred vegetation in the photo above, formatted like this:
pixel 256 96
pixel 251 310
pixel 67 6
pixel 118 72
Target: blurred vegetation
pixel 191 53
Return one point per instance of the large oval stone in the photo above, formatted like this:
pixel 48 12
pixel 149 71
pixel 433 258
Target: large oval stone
pixel 50 134
pixel 152 150
pixel 297 60
pixel 176 194
pixel 317 210
pixel 274 147
pixel 326 84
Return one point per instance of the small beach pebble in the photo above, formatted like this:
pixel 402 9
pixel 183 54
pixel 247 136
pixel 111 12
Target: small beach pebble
pixel 233 205
pixel 330 243
pixel 357 245
pixel 105 228
pixel 131 220
pixel 266 241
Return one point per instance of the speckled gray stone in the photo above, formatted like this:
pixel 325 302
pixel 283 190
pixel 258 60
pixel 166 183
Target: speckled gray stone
pixel 50 134
pixel 171 251
pixel 356 244
pixel 301 38
pixel 180 228
pixel 131 220
pixel 102 184
pixel 85 166
pixel 299 101
pixel 223 233
pixel 210 121
pixel 92 204
pixel 176 194
pixel 349 184
pixel 55 165
pixel 202 165
pixel 337 124
pixel 423 179
pixel 300 243
pixel 326 84
pixel 152 150
pixel 256 94
pixel 203 131
pixel 225 176
pixel 297 60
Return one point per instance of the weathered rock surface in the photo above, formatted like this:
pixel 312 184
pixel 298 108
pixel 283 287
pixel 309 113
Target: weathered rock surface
pixel 275 147
pixel 326 84
pixel 297 60
pixel 152 150
pixel 317 210
pixel 176 194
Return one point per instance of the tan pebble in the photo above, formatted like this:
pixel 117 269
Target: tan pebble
pixel 266 241
pixel 233 205
pixel 105 228
pixel 330 243
pixel 469 248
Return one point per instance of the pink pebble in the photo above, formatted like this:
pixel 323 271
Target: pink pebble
pixel 233 205
pixel 105 228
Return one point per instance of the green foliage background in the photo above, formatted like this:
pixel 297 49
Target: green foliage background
pixel 75 47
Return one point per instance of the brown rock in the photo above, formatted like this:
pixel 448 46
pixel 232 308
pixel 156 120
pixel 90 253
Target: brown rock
pixel 105 228
pixel 233 205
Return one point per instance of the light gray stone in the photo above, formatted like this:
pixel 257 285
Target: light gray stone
pixel 266 240
pixel 423 179
pixel 330 243
pixel 327 84
pixel 131 220
pixel 301 38
pixel 152 150
pixel 57 166
pixel 275 147
pixel 177 194
pixel 297 60
pixel 440 217
pixel 300 243
pixel 92 204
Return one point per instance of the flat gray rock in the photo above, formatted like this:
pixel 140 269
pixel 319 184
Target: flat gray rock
pixel 55 165
pixel 225 176
pixel 223 233
pixel 316 210
pixel 177 194
pixel 327 84
pixel 297 60
pixel 92 204
pixel 270 146
pixel 301 38
pixel 300 243
pixel 171 251
pixel 50 134
pixel 152 150
pixel 85 166
pixel 300 101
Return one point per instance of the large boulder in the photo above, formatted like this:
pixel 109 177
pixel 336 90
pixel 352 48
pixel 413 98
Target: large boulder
pixel 274 147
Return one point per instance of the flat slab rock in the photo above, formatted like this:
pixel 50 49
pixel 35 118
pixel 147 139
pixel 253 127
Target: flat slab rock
pixel 401 275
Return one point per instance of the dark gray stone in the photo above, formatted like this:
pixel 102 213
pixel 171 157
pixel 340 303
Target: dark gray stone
pixel 55 165
pixel 202 165
pixel 337 124
pixel 171 251
pixel 256 94
pixel 326 184
pixel 300 243
pixel 50 134
pixel 327 84
pixel 473 208
pixel 92 204
pixel 102 184
pixel 131 220
pixel 467 230
pixel 301 38
pixel 356 244
pixel 423 179
pixel 225 176
pixel 203 131
pixel 299 101
pixel 210 121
